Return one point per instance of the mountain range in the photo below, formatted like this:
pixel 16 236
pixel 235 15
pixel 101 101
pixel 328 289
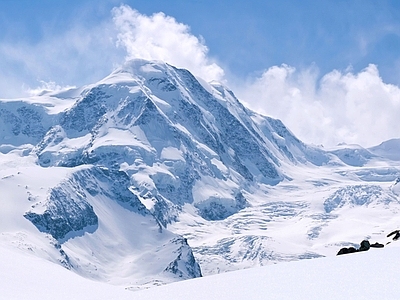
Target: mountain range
pixel 152 175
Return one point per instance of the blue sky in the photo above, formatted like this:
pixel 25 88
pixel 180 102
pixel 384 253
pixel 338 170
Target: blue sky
pixel 245 36
pixel 74 43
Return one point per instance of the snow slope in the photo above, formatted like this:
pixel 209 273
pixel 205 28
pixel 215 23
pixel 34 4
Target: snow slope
pixel 84 220
pixel 369 275
pixel 389 149
pixel 366 275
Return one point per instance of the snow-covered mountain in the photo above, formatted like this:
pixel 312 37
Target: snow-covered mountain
pixel 152 175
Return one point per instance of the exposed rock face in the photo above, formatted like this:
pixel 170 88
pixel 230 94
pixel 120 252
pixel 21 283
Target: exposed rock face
pixel 113 184
pixel 66 211
pixel 23 123
pixel 364 246
pixel 185 265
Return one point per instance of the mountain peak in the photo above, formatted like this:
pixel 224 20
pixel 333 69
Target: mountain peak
pixel 143 66
pixel 136 69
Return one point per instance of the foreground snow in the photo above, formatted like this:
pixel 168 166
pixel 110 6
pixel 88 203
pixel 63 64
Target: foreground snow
pixel 366 275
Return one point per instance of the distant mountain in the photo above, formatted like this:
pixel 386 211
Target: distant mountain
pixel 151 173
pixel 388 149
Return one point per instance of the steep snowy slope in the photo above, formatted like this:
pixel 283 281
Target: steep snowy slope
pixel 388 149
pixel 368 275
pixel 86 219
pixel 139 178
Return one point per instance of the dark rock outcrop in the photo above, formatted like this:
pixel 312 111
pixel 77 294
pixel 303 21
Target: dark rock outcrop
pixel 396 235
pixel 185 265
pixel 66 212
pixel 364 246
pixel 377 245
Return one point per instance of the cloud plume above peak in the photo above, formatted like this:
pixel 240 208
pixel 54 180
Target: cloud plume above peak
pixel 340 107
pixel 161 37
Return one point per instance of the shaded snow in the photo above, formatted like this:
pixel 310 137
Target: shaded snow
pixel 366 275
pixel 388 149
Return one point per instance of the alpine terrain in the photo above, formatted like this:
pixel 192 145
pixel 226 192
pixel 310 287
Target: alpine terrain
pixel 152 175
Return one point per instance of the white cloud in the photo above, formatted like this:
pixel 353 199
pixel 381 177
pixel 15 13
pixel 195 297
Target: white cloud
pixel 340 107
pixel 160 37
pixel 77 56
pixel 45 87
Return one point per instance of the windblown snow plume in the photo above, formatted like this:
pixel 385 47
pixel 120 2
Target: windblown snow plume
pixel 161 37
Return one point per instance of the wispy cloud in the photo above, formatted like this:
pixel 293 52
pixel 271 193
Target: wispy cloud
pixel 45 87
pixel 340 107
pixel 77 56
